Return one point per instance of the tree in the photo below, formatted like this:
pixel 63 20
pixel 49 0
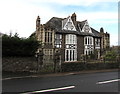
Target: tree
pixel 15 46
pixel 110 55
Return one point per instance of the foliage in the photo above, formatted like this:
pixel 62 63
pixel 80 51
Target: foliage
pixel 93 56
pixel 72 66
pixel 15 46
pixel 32 36
pixel 110 55
pixel 88 57
pixel 78 66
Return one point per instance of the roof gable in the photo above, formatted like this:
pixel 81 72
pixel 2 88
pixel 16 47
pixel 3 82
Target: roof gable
pixel 68 24
pixel 86 27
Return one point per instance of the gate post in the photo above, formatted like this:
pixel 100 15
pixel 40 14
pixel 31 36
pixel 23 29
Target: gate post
pixel 40 59
pixel 56 60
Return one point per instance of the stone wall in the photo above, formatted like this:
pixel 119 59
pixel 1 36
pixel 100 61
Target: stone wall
pixel 20 64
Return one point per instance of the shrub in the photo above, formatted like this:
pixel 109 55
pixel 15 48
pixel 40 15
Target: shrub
pixel 78 66
pixel 111 55
pixel 74 66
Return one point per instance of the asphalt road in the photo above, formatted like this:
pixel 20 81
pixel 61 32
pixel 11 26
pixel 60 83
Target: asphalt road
pixel 90 82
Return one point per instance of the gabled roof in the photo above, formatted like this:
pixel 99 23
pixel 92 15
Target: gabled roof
pixel 82 23
pixel 56 24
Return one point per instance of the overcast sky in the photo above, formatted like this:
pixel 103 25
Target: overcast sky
pixel 20 15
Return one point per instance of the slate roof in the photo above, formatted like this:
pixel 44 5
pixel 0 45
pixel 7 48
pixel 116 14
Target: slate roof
pixel 56 24
pixel 95 32
pixel 65 20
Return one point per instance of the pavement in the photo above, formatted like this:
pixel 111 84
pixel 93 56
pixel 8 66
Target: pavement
pixel 26 75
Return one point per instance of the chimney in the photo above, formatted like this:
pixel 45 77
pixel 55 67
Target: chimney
pixel 101 30
pixel 38 23
pixel 73 17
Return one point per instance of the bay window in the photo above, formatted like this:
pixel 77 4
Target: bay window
pixel 71 47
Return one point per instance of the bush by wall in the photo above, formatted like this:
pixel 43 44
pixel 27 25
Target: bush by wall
pixel 78 66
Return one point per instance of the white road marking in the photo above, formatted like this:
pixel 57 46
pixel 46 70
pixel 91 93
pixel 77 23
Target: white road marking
pixel 108 81
pixel 17 77
pixel 48 90
pixel 69 74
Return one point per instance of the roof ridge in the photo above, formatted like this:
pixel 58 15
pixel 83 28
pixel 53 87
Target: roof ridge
pixel 51 19
pixel 83 21
pixel 57 18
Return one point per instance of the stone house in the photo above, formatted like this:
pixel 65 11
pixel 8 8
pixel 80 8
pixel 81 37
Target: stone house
pixel 71 38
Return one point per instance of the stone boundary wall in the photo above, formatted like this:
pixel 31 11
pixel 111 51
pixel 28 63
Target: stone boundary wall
pixel 19 64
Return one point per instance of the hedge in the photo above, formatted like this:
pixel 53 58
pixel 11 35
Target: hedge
pixel 76 66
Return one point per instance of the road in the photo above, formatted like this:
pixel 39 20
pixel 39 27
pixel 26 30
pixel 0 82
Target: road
pixel 90 82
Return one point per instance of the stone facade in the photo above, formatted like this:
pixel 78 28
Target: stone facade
pixel 105 40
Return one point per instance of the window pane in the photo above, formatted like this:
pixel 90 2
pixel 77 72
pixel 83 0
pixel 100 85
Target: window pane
pixel 88 40
pixel 58 40
pixel 48 37
pixel 85 40
pixel 45 36
pixel 73 55
pixel 70 55
pixel 67 55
